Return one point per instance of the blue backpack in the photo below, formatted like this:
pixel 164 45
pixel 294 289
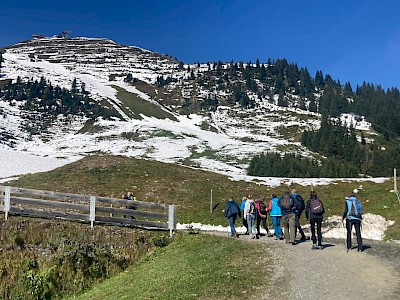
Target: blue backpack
pixel 354 208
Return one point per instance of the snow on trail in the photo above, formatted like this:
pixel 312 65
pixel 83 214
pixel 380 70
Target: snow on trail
pixel 373 227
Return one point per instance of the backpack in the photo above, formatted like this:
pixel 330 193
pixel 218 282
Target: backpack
pixel 355 209
pixel 316 207
pixel 301 204
pixel 232 210
pixel 263 208
pixel 253 208
pixel 286 202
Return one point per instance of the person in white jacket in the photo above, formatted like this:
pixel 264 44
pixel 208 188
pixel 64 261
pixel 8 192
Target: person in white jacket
pixel 250 215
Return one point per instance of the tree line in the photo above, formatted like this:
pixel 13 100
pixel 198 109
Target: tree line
pixel 40 96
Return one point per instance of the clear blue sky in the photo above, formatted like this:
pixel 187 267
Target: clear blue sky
pixel 351 40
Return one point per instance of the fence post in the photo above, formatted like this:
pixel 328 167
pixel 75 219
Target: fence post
pixel 395 185
pixel 211 203
pixel 7 192
pixel 171 219
pixel 92 216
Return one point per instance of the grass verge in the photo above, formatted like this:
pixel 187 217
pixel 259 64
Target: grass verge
pixel 192 267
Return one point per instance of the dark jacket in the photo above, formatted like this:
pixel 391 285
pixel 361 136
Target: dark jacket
pixel 300 204
pixel 309 214
pixel 232 209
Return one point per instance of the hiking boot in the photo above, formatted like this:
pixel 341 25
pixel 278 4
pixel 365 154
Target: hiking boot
pixel 314 246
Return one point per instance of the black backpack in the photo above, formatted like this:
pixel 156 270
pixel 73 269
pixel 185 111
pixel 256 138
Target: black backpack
pixel 253 209
pixel 300 206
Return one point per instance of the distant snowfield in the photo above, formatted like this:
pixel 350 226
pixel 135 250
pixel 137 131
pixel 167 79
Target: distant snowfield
pixel 13 163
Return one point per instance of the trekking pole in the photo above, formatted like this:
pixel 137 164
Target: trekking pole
pixel 345 236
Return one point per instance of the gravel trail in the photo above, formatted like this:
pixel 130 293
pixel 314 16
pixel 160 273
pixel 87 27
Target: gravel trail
pixel 332 273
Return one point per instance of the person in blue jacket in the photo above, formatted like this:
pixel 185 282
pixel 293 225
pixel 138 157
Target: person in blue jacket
pixel 275 214
pixel 352 221
pixel 232 211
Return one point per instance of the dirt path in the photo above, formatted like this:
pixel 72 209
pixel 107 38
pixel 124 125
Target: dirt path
pixel 332 273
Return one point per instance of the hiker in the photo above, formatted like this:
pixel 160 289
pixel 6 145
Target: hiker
pixel 250 215
pixel 275 214
pixel 315 213
pixel 232 211
pixel 261 216
pixel 298 212
pixel 288 220
pixel 353 215
pixel 244 221
pixel 128 196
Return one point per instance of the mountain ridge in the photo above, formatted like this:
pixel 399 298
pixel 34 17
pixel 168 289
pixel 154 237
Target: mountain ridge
pixel 247 108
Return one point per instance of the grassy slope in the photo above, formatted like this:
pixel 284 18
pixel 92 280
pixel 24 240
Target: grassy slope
pixel 193 267
pixel 193 259
pixel 133 106
pixel 190 189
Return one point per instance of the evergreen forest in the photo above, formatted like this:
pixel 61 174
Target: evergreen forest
pixel 43 103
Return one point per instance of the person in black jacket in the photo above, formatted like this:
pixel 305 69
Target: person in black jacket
pixel 298 212
pixel 232 211
pixel 315 213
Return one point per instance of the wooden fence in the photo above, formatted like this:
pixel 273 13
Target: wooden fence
pixel 101 210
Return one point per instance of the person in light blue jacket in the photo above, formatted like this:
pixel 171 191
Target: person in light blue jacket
pixel 242 205
pixel 353 220
pixel 276 214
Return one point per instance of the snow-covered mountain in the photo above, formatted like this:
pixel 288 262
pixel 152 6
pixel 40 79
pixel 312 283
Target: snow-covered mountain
pixel 151 120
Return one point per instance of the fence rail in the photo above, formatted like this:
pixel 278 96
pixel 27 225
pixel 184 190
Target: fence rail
pixel 102 210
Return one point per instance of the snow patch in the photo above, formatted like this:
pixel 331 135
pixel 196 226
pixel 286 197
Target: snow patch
pixel 373 227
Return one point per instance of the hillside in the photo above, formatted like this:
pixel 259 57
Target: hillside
pixel 63 97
